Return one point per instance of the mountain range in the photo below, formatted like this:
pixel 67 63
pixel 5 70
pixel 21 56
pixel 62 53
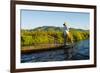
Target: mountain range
pixel 52 28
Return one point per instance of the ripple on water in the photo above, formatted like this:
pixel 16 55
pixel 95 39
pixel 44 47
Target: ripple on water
pixel 81 53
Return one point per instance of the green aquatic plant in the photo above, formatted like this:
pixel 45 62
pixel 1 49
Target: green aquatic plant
pixel 54 36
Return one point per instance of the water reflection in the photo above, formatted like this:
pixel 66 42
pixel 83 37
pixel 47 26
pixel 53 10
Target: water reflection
pixel 80 51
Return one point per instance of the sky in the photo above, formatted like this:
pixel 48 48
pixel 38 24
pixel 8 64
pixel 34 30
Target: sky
pixel 31 19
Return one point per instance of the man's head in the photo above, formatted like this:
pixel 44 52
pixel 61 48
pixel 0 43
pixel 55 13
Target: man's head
pixel 64 24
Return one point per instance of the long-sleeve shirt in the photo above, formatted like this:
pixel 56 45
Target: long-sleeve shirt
pixel 66 30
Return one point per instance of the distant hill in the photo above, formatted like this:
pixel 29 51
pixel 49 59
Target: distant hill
pixel 54 28
pixel 47 28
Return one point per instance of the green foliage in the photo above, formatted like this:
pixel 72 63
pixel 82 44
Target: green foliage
pixel 51 36
pixel 26 40
pixel 79 35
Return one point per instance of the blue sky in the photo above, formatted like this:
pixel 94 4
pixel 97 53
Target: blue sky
pixel 31 19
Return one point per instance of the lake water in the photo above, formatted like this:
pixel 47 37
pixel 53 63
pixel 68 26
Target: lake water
pixel 79 52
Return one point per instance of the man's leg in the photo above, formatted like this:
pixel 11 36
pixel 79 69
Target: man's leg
pixel 65 39
pixel 70 37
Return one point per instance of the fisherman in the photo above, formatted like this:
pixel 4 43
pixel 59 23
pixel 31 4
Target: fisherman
pixel 67 34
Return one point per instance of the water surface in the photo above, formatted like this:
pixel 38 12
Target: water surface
pixel 79 52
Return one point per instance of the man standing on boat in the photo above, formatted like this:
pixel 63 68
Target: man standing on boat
pixel 66 34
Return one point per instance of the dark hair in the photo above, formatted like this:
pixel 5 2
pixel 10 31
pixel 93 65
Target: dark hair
pixel 64 24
